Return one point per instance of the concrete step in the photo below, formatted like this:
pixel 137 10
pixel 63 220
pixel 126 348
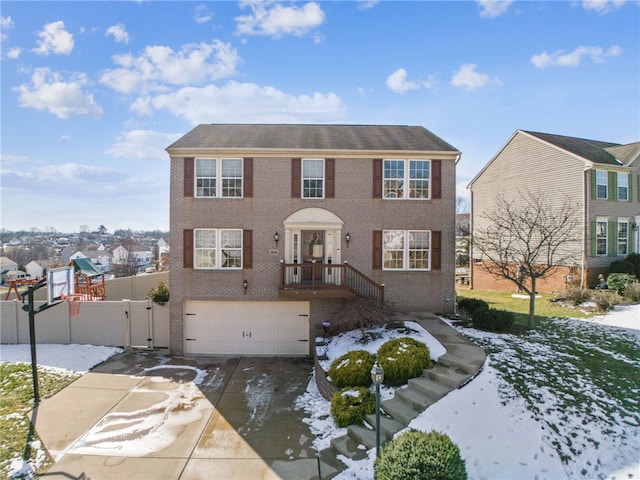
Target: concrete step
pixel 347 446
pixel 400 410
pixel 429 387
pixel 418 400
pixel 363 435
pixel 388 426
pixel 447 376
pixel 329 465
pixel 458 364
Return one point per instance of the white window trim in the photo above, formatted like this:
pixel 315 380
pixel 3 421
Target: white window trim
pixel 406 250
pixel 302 179
pixel 218 177
pixel 626 187
pixel 606 237
pixel 218 249
pixel 626 238
pixel 606 184
pixel 406 181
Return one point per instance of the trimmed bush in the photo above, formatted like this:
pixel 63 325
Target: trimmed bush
pixel 578 295
pixel 622 266
pixel 353 369
pixel 351 405
pixel 493 320
pixel 415 455
pixel 470 305
pixel 618 281
pixel 403 358
pixel 634 258
pixel 605 300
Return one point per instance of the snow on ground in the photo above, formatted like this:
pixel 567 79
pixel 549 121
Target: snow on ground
pixel 73 358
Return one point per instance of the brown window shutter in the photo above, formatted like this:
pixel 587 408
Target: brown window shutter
pixel 377 178
pixel 247 249
pixel 436 178
pixel 377 250
pixel 330 178
pixel 296 175
pixel 247 181
pixel 187 248
pixel 436 250
pixel 188 176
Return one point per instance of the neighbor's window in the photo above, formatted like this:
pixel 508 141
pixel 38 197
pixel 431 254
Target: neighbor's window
pixel 312 178
pixel 406 179
pixel 406 249
pixel 601 184
pixel 623 237
pixel 218 177
pixel 601 237
pixel 623 187
pixel 217 248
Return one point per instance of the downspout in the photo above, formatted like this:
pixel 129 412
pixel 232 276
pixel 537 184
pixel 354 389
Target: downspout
pixel 585 225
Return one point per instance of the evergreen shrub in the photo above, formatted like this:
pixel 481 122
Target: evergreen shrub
pixel 622 266
pixel 403 358
pixel 415 455
pixel 353 369
pixel 618 281
pixel 470 305
pixel 493 320
pixel 160 294
pixel 350 405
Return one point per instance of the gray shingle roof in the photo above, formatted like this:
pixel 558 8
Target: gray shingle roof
pixel 312 137
pixel 592 150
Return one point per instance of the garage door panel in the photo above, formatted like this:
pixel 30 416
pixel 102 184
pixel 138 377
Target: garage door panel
pixel 246 328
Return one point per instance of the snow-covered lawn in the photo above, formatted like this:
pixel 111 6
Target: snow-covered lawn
pixel 533 406
pixel 536 411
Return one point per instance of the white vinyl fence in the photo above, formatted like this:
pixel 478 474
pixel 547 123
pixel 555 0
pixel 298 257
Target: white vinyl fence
pixel 125 323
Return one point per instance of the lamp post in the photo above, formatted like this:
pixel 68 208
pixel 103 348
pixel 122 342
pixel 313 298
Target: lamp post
pixel 377 376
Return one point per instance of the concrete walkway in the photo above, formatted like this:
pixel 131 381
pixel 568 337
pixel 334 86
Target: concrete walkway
pixel 151 416
pixel 463 360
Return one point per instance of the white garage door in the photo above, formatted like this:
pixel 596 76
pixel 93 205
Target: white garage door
pixel 246 328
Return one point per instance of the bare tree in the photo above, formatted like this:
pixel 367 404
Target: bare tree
pixel 529 240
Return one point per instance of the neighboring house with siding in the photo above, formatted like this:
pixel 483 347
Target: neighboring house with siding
pixel 275 227
pixel 603 178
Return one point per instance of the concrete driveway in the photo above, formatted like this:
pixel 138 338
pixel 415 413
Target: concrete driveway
pixel 146 415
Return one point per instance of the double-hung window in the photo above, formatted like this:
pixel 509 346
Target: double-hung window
pixel 623 237
pixel 312 178
pixel 623 187
pixel 404 179
pixel 406 249
pixel 218 177
pixel 601 237
pixel 217 248
pixel 601 185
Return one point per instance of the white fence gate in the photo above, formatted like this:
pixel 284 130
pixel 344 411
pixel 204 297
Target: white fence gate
pixel 125 323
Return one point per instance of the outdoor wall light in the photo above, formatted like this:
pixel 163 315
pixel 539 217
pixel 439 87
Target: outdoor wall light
pixel 245 285
pixel 347 237
pixel 276 237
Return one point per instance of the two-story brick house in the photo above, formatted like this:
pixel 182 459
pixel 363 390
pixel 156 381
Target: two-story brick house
pixel 274 227
pixel 601 178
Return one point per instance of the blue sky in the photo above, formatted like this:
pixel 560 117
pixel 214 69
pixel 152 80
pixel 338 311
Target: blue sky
pixel 93 92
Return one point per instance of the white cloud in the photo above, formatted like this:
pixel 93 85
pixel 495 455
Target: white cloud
pixel 14 53
pixel 243 102
pixel 275 20
pixel 603 7
pixel 367 4
pixel 202 14
pixel 119 33
pixel 158 66
pixel 51 93
pixel 398 82
pixel 573 59
pixel 5 24
pixel 54 39
pixel 143 145
pixel 469 78
pixel 493 8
